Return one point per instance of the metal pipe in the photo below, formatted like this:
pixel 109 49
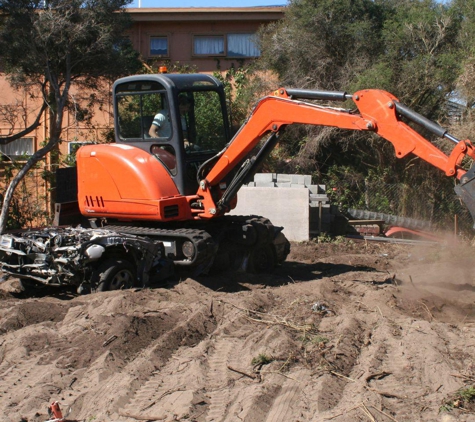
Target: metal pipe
pixel 420 120
pixel 451 138
pixel 318 95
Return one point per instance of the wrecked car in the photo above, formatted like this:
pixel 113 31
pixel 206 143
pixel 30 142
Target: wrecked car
pixel 89 259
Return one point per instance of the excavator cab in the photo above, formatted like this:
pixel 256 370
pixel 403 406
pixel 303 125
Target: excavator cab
pixel 180 119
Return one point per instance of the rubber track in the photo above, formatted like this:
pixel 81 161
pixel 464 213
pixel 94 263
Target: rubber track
pixel 206 243
pixel 262 225
pixel 202 240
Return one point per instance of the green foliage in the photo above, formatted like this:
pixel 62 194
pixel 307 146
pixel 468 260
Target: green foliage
pixel 315 339
pixel 323 43
pixel 237 82
pixel 345 186
pixel 461 399
pixel 209 126
pixel 328 238
pixel 83 37
pixel 262 359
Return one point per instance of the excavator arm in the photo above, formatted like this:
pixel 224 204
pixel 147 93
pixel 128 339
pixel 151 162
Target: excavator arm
pixel 377 111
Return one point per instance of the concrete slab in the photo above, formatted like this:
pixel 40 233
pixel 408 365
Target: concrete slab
pixel 285 207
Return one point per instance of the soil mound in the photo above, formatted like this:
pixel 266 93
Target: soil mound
pixel 341 332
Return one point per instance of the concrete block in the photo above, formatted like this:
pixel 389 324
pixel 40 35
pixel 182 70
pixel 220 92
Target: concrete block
pixel 283 185
pixel 265 177
pixel 299 179
pixel 286 207
pixel 264 184
pixel 284 178
pixel 317 189
pixel 316 204
pixel 314 197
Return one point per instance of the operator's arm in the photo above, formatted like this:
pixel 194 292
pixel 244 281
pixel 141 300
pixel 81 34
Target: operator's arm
pixel 153 132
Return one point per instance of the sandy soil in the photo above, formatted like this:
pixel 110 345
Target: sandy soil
pixel 341 332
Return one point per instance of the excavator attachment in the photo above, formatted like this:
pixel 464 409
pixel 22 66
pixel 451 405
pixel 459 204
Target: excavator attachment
pixel 466 191
pixel 466 188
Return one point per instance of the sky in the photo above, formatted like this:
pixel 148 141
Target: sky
pixel 207 3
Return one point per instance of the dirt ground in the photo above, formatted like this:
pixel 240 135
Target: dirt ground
pixel 352 331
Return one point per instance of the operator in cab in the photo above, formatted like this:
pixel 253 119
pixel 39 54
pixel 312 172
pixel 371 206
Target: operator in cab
pixel 161 125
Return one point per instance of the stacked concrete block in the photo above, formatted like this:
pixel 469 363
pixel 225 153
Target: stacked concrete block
pixel 288 200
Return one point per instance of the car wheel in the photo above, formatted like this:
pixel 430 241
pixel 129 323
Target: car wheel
pixel 115 274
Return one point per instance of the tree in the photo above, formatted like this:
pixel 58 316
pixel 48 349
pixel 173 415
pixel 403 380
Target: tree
pixel 323 43
pixel 464 96
pixel 51 46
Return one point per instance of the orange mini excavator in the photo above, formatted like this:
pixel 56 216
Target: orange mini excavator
pixel 174 172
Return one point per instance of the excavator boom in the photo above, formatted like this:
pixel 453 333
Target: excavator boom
pixel 377 111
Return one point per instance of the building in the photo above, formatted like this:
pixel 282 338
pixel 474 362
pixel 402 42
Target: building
pixel 206 39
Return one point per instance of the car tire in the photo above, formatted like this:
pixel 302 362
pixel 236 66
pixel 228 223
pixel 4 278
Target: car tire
pixel 115 274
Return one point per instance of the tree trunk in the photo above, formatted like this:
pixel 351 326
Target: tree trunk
pixel 37 156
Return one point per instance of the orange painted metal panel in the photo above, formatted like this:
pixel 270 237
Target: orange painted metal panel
pixel 123 181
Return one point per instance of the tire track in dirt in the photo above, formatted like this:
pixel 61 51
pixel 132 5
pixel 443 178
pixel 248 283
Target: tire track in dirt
pixel 14 376
pixel 158 385
pixel 177 369
pixel 23 364
pixel 218 379
pixel 392 378
pixel 169 392
pixel 176 388
pixel 17 386
pixel 283 408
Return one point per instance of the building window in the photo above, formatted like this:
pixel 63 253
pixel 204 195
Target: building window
pixel 158 46
pixel 209 45
pixel 242 45
pixel 231 45
pixel 23 147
